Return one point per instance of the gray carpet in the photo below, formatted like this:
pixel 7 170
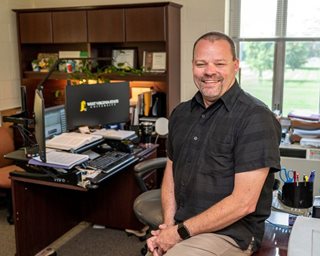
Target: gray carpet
pixel 102 242
pixel 89 242
pixel 7 240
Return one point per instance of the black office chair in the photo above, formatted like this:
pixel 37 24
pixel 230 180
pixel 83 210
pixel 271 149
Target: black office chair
pixel 147 206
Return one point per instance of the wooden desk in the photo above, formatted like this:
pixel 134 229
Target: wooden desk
pixel 43 211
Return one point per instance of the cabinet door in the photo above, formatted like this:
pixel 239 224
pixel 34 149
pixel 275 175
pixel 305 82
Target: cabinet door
pixel 145 24
pixel 106 25
pixel 35 27
pixel 69 27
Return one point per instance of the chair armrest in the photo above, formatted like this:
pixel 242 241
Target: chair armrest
pixel 143 168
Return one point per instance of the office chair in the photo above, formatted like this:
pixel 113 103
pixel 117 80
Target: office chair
pixel 6 166
pixel 147 206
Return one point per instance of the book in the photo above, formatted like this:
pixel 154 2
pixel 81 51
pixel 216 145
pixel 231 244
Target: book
pixel 72 140
pixel 58 159
pixel 73 54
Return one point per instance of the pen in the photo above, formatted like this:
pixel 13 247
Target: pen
pixel 311 177
pixel 305 178
pixel 294 176
pixel 297 175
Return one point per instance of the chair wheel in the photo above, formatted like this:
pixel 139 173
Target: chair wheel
pixel 10 220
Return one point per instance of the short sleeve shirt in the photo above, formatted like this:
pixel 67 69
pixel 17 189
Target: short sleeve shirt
pixel 208 146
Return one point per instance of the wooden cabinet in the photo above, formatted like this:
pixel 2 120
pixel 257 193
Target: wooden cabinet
pixel 35 27
pixel 99 30
pixel 145 24
pixel 69 26
pixel 53 27
pixel 106 25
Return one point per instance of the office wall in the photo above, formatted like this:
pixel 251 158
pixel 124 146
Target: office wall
pixel 197 17
pixel 9 66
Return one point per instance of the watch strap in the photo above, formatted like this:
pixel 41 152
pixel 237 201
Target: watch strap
pixel 183 231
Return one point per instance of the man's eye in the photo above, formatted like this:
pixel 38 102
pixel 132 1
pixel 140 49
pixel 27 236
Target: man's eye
pixel 200 65
pixel 220 64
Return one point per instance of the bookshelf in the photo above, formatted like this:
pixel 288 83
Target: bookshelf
pixel 148 27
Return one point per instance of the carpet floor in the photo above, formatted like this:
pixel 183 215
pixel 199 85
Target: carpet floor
pixel 102 242
pixel 89 242
pixel 7 240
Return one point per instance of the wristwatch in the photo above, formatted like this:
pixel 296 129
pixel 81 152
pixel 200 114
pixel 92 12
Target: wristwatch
pixel 183 231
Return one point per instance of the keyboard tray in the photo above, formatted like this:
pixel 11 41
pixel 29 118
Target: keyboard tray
pixel 110 162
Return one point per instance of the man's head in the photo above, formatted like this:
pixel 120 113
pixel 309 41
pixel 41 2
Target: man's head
pixel 214 65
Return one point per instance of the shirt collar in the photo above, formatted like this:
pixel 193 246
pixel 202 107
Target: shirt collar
pixel 228 99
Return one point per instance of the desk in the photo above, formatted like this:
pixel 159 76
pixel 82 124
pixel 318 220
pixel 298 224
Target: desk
pixel 43 210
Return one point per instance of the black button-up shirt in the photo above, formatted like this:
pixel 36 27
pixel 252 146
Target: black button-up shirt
pixel 208 146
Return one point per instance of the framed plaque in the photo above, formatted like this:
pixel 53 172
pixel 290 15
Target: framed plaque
pixel 154 61
pixel 124 58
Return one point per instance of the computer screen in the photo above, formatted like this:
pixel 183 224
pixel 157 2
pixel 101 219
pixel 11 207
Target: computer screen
pixel 97 104
pixel 39 123
pixel 55 121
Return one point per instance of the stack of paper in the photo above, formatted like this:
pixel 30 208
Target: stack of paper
pixel 64 160
pixel 115 134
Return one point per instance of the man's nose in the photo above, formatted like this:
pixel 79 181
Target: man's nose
pixel 211 68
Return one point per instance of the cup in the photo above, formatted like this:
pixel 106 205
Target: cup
pixel 70 66
pixel 298 194
pixel 146 132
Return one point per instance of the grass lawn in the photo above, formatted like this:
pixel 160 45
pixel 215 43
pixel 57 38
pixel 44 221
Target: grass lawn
pixel 301 89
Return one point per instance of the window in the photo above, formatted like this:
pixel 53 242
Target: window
pixel 278 44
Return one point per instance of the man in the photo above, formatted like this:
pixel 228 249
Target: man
pixel 222 155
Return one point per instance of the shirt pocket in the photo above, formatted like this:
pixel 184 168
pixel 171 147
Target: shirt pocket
pixel 218 159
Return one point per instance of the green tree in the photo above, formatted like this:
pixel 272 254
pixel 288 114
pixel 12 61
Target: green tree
pixel 296 54
pixel 259 56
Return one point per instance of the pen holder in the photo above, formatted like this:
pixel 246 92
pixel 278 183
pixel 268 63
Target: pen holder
pixel 298 194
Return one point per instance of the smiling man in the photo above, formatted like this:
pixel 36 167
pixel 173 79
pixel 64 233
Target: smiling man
pixel 223 150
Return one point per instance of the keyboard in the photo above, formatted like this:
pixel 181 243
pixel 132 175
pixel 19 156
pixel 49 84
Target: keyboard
pixel 110 161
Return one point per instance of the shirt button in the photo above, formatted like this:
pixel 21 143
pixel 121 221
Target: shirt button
pixel 203 115
pixel 195 138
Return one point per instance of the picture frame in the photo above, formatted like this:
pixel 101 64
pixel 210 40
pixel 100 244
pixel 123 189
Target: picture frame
pixel 124 58
pixel 154 61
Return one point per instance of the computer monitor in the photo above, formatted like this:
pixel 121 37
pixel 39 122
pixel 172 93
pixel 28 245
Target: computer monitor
pixel 39 123
pixel 97 104
pixel 55 121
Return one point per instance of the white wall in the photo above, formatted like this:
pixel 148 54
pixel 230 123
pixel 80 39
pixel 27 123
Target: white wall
pixel 197 17
pixel 9 66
